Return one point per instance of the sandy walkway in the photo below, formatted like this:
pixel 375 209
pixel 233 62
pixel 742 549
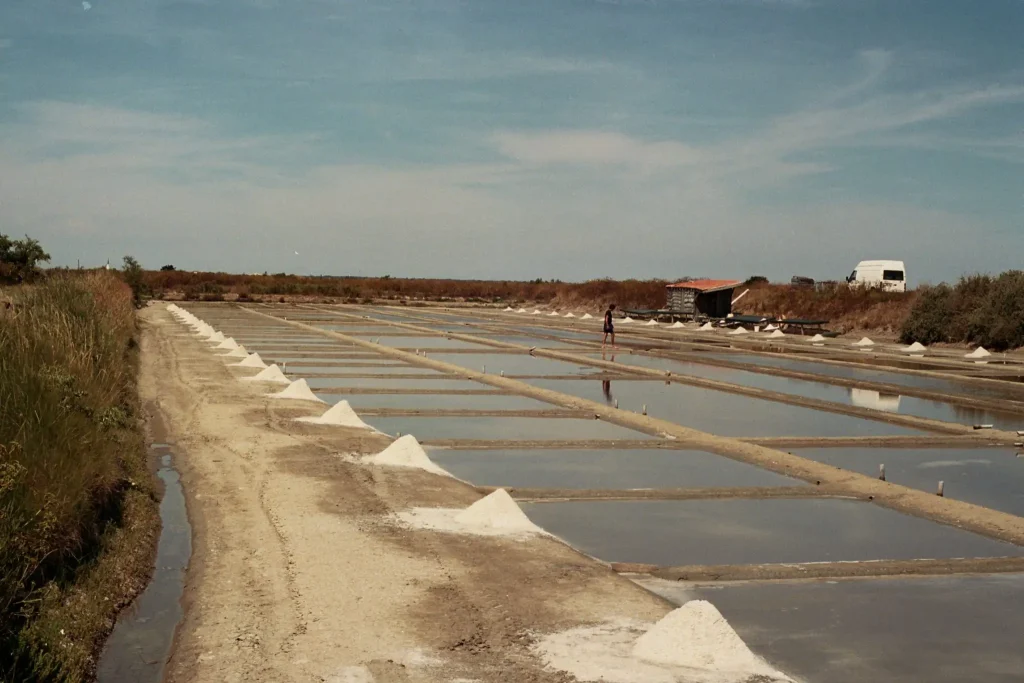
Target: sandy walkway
pixel 296 576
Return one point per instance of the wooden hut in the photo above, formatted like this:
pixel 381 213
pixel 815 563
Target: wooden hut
pixel 702 298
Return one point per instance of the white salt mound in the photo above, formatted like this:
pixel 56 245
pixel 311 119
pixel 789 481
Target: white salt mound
pixel 916 347
pixel 230 344
pixel 535 312
pixel 770 328
pixel 508 309
pixel 340 415
pixel 297 391
pixel 216 338
pixel 587 316
pixel 553 313
pixel 521 310
pixel 270 374
pixel 706 326
pixel 496 511
pixel 697 636
pixel 252 361
pixel 776 334
pixel 816 338
pixel 979 352
pixel 569 315
pixel 739 330
pixel 239 352
pixel 650 323
pixel 406 452
pixel 627 319
pixel 864 341
pixel 676 325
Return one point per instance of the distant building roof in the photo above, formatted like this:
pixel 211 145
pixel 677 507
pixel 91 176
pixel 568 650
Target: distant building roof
pixel 707 285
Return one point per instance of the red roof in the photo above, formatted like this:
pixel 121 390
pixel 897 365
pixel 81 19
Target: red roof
pixel 708 285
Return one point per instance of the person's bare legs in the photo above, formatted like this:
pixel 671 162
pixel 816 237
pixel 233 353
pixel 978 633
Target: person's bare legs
pixel 613 340
pixel 605 340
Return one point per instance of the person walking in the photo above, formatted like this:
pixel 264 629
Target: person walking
pixel 609 326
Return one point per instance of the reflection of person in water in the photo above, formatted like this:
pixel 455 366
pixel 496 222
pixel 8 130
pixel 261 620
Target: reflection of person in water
pixel 606 384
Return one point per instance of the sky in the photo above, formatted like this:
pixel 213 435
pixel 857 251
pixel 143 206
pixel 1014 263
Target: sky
pixel 515 139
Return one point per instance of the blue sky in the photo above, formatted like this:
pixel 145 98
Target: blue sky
pixel 568 139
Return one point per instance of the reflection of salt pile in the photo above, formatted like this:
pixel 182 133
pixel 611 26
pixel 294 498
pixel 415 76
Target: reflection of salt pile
pixel 676 325
pixel 230 344
pixel 776 334
pixel 979 352
pixel 339 415
pixel 587 316
pixel 864 341
pixel 238 352
pixel 252 361
pixel 697 636
pixel 270 374
pixel 916 347
pixel 407 452
pixel 494 515
pixel 651 322
pixel 739 330
pixel 297 391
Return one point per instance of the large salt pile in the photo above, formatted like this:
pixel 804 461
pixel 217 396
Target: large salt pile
pixel 651 322
pixel 676 325
pixel 776 334
pixel 297 391
pixel 916 347
pixel 407 452
pixel 864 341
pixel 494 515
pixel 739 330
pixel 239 352
pixel 339 415
pixel 697 636
pixel 979 352
pixel 230 344
pixel 587 316
pixel 252 361
pixel 270 374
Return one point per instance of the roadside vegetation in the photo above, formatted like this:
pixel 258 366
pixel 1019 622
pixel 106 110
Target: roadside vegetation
pixel 846 309
pixel 984 310
pixel 78 513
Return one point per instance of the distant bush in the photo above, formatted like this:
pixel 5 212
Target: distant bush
pixel 979 309
pixel 756 280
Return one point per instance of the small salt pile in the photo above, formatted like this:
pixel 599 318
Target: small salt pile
pixel 569 315
pixel 776 334
pixel 493 515
pixel 864 341
pixel 406 452
pixel 651 323
pixel 521 310
pixel 816 339
pixel 338 415
pixel 216 338
pixel 229 344
pixel 627 319
pixel 697 636
pixel 553 313
pixel 508 309
pixel 238 352
pixel 270 374
pixel 297 391
pixel 979 352
pixel 706 327
pixel 587 316
pixel 916 347
pixel 770 328
pixel 739 330
pixel 252 361
pixel 535 312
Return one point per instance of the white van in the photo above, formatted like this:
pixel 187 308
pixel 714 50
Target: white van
pixel 888 275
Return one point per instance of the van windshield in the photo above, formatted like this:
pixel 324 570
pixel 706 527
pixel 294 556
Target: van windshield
pixel 892 275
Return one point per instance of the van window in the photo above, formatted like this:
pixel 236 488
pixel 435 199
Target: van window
pixel 896 275
pixel 853 276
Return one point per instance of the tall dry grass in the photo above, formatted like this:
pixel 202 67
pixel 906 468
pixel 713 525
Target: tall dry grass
pixel 846 309
pixel 72 470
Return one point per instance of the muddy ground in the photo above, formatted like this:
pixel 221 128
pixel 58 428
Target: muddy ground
pixel 298 574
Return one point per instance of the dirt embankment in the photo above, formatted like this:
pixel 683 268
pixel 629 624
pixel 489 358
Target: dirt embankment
pixel 298 574
pixel 848 310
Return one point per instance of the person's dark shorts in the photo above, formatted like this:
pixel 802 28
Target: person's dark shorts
pixel 609 329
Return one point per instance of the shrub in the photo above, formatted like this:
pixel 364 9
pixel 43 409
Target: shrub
pixel 20 259
pixel 929 320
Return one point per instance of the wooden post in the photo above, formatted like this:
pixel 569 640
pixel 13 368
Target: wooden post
pixel 645 409
pixel 941 490
pixel 881 471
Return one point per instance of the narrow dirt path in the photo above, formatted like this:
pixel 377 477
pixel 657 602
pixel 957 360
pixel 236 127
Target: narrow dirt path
pixel 297 574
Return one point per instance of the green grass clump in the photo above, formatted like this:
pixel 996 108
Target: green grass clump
pixel 77 504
